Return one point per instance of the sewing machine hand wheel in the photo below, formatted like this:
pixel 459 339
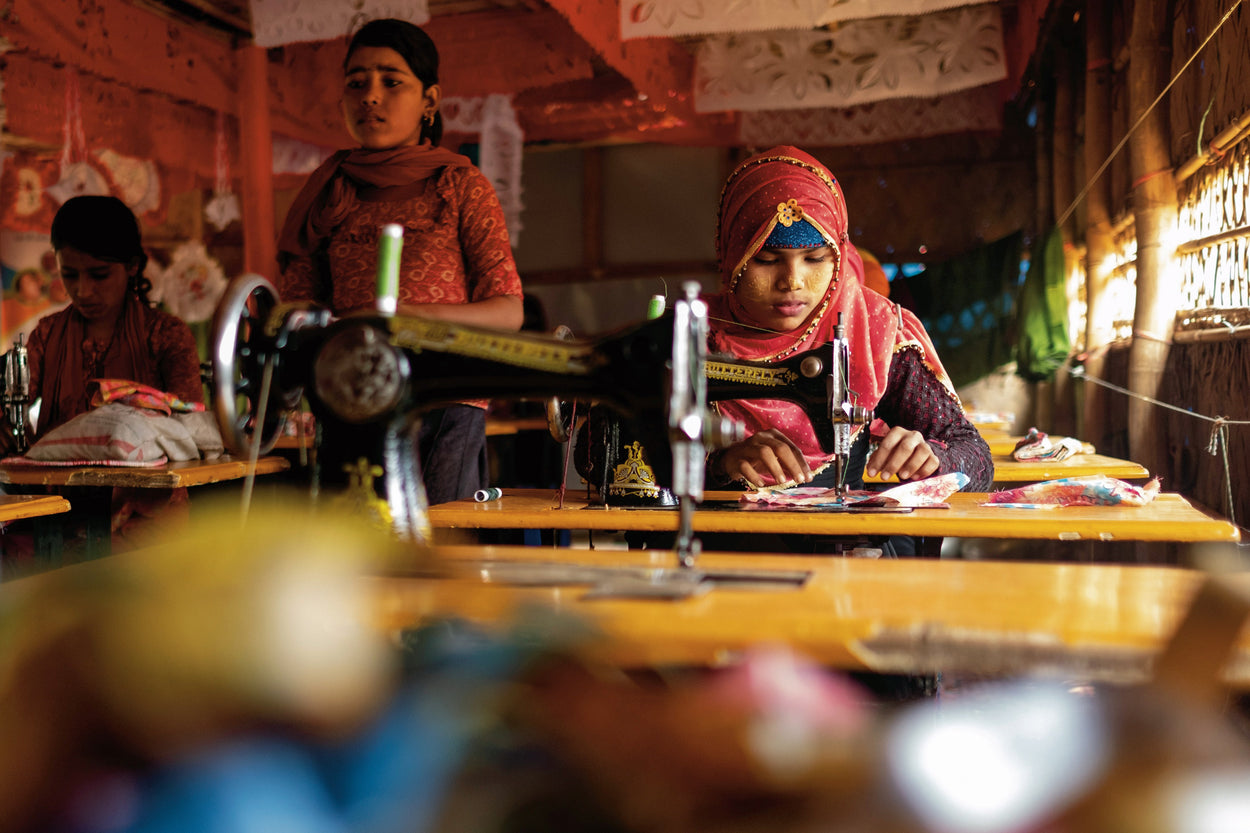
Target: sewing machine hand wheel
pixel 240 351
pixel 561 414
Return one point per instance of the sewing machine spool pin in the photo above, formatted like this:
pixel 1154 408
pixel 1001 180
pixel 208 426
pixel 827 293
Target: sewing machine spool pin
pixel 845 415
pixel 17 393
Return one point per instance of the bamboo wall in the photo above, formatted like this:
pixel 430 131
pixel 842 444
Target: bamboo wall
pixel 1208 377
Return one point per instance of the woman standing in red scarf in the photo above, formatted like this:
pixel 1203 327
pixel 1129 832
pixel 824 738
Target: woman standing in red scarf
pixel 457 262
pixel 788 271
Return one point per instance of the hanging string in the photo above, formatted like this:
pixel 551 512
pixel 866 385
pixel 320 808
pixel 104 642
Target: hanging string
pixel 74 144
pixel 1218 443
pixel 221 157
pixel 1120 145
pixel 1080 373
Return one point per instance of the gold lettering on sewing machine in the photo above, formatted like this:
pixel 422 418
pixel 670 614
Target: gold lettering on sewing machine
pixel 537 354
pixel 773 377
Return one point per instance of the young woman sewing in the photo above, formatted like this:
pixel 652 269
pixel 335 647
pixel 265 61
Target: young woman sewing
pixel 457 262
pixel 788 270
pixel 110 330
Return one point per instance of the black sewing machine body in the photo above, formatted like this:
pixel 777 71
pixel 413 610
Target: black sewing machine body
pixel 369 377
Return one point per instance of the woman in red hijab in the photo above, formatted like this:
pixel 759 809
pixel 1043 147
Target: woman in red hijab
pixel 456 264
pixel 788 270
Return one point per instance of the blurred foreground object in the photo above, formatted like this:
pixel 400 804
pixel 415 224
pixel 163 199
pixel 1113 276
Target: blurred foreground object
pixel 141 658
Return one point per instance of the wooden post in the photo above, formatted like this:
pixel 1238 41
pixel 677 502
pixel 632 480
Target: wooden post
pixel 1062 133
pixel 1099 243
pixel 260 249
pixel 1155 214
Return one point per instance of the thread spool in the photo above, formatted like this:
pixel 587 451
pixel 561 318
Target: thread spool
pixel 655 307
pixel 484 495
pixel 390 245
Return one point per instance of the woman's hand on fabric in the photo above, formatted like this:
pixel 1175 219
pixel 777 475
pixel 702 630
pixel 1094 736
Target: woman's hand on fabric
pixel 765 458
pixel 903 453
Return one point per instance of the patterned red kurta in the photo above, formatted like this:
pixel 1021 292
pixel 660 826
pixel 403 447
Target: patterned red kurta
pixel 456 247
pixel 171 353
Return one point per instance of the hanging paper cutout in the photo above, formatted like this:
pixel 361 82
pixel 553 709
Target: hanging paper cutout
pixel 860 62
pixel 502 144
pixel 78 178
pixel 666 18
pixel 223 208
pixel 29 196
pixel 279 22
pixel 191 285
pixel 135 181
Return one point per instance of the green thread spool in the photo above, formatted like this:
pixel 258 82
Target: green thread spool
pixel 390 245
pixel 655 307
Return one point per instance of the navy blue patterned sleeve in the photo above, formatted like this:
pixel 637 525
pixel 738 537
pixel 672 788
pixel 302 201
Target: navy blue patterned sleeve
pixel 914 399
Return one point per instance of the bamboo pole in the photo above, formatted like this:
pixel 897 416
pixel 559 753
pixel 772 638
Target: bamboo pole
pixel 1099 237
pixel 1155 212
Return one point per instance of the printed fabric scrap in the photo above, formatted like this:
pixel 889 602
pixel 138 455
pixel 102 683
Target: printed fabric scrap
pixel 1093 490
pixel 931 493
pixel 1037 445
pixel 138 395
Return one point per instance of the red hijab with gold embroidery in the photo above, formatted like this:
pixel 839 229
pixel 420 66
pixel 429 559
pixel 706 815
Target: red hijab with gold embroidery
pixel 779 187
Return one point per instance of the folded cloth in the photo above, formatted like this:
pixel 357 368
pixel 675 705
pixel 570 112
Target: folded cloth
pixel 1092 490
pixel 138 395
pixel 118 433
pixel 931 492
pixel 1037 445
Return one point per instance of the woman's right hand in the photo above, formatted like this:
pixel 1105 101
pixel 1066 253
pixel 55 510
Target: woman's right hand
pixel 766 458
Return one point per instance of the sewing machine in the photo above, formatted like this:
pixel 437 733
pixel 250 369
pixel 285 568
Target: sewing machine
pixel 16 395
pixel 617 463
pixel 368 377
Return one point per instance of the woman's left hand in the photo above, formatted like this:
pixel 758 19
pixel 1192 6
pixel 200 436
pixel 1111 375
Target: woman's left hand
pixel 904 453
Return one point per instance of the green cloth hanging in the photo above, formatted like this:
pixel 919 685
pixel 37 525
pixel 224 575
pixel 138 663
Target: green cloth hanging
pixel 1043 312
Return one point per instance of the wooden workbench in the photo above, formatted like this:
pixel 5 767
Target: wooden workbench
pixel 1008 471
pixel 168 476
pixel 19 507
pixel 90 488
pixel 906 615
pixel 1170 517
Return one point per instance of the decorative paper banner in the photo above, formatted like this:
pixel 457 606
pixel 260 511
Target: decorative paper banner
pixel 278 22
pixel 501 141
pixel 863 61
pixel 666 18
pixel 881 121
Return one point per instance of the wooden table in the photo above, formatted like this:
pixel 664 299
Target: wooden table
pixel 18 507
pixel 906 616
pixel 1170 517
pixel 168 476
pixel 1009 471
pixel 38 508
pixel 89 489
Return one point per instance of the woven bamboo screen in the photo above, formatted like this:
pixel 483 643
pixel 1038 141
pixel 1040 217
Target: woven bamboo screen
pixel 1216 81
pixel 1212 201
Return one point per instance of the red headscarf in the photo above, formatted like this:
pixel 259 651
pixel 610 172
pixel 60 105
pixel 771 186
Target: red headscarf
pixel 778 186
pixel 330 193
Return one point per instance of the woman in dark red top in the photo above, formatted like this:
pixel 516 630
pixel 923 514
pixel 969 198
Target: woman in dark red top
pixel 456 262
pixel 110 330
